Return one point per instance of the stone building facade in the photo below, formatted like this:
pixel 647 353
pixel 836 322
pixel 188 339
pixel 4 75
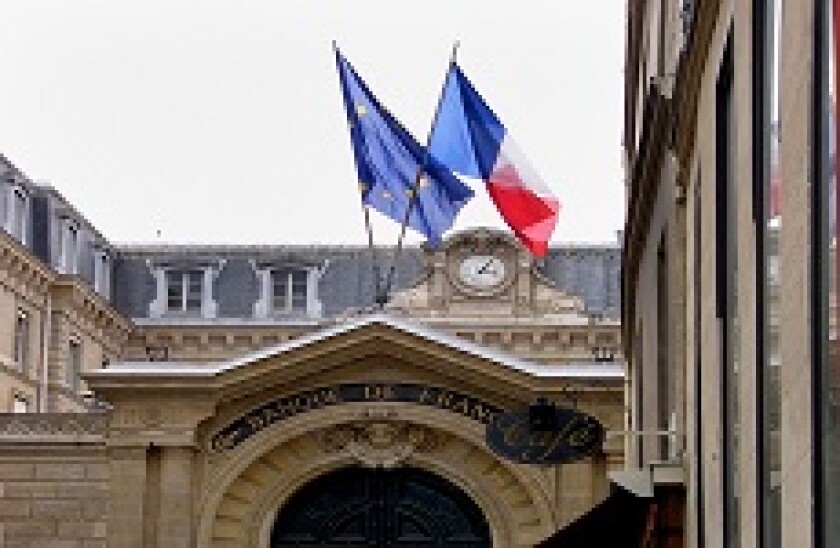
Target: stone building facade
pixel 729 268
pixel 171 395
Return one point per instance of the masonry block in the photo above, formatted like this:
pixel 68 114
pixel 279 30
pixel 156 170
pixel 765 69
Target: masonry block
pixel 30 489
pixel 16 470
pixel 93 509
pixel 81 490
pixel 64 509
pixel 58 471
pixel 31 529
pixel 77 529
pixel 97 471
pixel 15 509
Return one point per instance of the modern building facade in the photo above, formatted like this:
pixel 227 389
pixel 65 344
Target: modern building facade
pixel 729 266
pixel 171 395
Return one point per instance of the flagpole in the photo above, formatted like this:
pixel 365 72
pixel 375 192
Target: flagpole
pixel 414 191
pixel 377 278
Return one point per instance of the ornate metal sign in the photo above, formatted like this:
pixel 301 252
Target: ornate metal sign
pixel 575 435
pixel 269 413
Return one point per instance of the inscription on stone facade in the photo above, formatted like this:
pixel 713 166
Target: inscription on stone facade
pixel 272 412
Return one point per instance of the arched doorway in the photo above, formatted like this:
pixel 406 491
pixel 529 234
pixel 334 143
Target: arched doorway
pixel 363 507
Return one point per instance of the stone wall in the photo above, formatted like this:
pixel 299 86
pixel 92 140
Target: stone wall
pixel 53 481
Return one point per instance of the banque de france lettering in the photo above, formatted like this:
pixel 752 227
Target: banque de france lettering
pixel 272 412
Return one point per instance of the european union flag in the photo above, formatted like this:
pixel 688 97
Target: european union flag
pixel 392 165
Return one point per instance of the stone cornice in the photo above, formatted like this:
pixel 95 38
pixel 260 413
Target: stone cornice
pixel 376 344
pixel 21 271
pixel 80 302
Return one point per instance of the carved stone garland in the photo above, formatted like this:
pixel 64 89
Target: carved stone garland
pixel 379 441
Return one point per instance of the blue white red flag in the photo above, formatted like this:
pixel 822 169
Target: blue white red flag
pixel 392 165
pixel 469 139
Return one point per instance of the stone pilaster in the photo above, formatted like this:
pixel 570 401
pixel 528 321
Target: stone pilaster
pixel 128 493
pixel 175 529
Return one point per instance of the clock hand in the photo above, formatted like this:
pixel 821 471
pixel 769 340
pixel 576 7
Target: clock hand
pixel 484 267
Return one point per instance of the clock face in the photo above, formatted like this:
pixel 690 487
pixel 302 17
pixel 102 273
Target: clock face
pixel 482 271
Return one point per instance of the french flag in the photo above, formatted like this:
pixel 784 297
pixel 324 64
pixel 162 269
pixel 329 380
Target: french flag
pixel 469 139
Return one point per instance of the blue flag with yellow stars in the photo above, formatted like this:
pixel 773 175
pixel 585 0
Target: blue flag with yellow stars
pixel 391 164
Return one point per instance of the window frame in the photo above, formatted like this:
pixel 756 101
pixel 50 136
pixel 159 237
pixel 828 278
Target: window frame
pixel 75 359
pixel 22 335
pixel 70 246
pixel 102 272
pixel 820 237
pixel 185 284
pixel 289 307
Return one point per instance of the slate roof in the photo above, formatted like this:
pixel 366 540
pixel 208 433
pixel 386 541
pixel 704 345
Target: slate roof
pixel 586 270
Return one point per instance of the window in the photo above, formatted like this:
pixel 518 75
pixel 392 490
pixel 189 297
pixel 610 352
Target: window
pixel 70 248
pixel 726 267
pixel 639 374
pixel 664 377
pixel 826 269
pixel 17 213
pixel 767 199
pixel 288 290
pixel 21 346
pixel 102 273
pixel 698 363
pixel 74 364
pixel 20 404
pixel 184 290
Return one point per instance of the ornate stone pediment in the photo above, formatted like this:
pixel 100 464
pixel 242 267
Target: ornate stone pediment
pixel 484 273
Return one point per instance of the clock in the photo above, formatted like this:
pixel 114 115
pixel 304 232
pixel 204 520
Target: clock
pixel 482 271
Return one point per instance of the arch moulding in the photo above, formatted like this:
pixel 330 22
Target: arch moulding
pixel 244 489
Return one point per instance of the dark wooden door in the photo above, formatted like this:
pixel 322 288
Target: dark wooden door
pixel 380 508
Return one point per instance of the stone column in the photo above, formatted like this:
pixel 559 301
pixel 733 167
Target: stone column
pixel 127 495
pixel 175 528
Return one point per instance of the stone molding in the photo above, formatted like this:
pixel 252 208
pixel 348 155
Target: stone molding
pixel 22 272
pixel 244 490
pixel 90 312
pixel 40 427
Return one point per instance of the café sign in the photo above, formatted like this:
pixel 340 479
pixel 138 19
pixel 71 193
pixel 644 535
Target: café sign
pixel 574 436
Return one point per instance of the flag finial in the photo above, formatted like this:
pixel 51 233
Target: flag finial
pixel 455 46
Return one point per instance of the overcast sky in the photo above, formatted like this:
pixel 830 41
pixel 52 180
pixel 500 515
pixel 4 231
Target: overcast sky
pixel 222 122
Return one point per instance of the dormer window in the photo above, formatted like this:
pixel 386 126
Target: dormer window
pixel 185 288
pixel 184 291
pixel 102 273
pixel 17 213
pixel 69 247
pixel 289 290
